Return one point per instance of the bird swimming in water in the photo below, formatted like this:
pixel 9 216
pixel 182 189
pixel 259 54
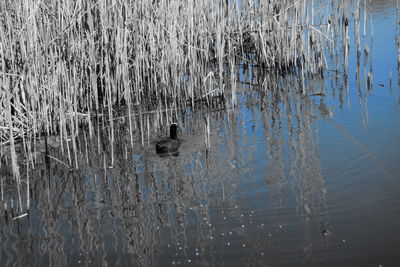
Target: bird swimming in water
pixel 169 145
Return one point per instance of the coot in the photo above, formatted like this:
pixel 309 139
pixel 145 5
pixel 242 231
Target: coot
pixel 169 145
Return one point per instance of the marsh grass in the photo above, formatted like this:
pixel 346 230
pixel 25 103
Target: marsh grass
pixel 68 60
pixel 68 66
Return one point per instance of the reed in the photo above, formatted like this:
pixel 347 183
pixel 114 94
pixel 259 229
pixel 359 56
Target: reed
pixel 69 65
pixel 65 61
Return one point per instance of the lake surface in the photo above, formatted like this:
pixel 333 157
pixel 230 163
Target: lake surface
pixel 280 179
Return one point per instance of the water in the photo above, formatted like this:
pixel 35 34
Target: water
pixel 278 180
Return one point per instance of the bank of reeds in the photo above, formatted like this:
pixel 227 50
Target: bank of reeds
pixel 63 61
pixel 67 64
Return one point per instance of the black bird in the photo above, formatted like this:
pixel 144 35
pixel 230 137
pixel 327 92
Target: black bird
pixel 169 145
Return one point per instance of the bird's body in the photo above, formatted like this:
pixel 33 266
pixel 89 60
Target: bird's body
pixel 169 145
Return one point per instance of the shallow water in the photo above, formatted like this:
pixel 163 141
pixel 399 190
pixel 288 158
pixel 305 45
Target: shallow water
pixel 280 179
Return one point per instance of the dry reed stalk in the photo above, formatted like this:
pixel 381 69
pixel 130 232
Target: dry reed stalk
pixel 14 162
pixel 28 198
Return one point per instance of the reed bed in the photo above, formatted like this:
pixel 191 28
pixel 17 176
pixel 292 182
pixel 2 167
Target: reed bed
pixel 65 61
pixel 68 65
